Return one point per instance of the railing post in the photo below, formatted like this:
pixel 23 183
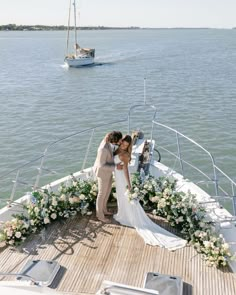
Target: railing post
pixel 179 154
pixel 39 174
pixel 153 120
pixel 144 91
pixel 88 148
pixel 215 176
pixel 14 187
pixel 232 185
pixel 129 122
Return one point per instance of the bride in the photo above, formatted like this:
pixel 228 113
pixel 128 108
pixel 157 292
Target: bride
pixel 132 214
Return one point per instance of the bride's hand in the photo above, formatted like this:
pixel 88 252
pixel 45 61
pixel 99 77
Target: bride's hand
pixel 119 166
pixel 129 187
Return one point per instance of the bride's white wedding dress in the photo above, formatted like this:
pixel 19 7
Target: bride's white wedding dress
pixel 132 214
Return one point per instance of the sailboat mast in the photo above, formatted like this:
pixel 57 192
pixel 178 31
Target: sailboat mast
pixel 75 29
pixel 68 30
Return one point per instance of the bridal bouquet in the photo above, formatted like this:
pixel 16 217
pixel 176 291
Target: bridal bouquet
pixel 133 194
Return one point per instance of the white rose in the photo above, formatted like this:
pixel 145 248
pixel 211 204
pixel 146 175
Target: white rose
pixel 134 196
pixel 181 219
pixel 71 200
pixel 53 216
pixel 46 220
pixel 54 202
pixel 225 246
pixel 207 244
pixel 63 197
pixel 18 234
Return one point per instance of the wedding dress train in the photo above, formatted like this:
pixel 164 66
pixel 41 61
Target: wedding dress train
pixel 132 214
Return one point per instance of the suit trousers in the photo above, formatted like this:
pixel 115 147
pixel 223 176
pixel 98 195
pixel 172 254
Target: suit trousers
pixel 104 190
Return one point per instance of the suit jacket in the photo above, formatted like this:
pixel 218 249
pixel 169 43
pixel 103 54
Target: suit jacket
pixel 104 164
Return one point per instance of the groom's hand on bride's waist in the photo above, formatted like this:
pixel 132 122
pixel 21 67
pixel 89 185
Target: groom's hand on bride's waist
pixel 119 167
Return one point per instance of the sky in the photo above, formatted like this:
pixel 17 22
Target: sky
pixel 122 13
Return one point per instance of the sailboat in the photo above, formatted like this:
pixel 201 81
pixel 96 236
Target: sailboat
pixel 80 56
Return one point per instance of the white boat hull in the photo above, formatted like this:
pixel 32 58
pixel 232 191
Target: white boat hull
pixel 79 61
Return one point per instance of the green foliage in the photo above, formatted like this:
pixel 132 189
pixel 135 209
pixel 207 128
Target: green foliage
pixel 160 195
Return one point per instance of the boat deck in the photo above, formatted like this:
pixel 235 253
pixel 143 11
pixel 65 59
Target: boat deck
pixel 90 252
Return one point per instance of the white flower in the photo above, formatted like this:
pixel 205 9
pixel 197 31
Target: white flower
pixel 154 199
pixel 134 196
pixel 62 197
pixel 53 215
pixel 89 213
pixel 94 187
pixel 46 220
pixel 82 197
pixel 71 200
pixel 162 203
pixel 207 244
pixel 11 242
pixel 180 219
pixel 54 201
pixel 36 210
pixel 32 222
pixel 9 233
pixel 225 246
pixel 18 234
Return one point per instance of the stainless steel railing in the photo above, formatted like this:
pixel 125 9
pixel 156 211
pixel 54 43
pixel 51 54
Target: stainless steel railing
pixel 217 172
pixel 42 158
pixel 127 120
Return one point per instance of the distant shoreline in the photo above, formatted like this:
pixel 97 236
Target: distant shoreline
pixel 13 27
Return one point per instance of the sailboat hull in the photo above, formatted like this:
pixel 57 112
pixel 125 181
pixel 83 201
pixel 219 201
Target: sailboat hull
pixel 79 61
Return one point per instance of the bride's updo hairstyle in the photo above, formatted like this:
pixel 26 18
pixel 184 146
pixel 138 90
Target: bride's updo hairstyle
pixel 128 138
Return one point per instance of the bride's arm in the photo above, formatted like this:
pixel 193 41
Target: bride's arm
pixel 125 160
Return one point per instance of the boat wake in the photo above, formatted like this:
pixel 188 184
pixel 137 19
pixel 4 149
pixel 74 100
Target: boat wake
pixel 116 57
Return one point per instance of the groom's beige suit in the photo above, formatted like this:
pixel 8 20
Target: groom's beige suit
pixel 103 168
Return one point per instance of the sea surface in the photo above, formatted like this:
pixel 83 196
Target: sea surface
pixel 190 77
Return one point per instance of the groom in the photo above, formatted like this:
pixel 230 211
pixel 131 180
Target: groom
pixel 103 168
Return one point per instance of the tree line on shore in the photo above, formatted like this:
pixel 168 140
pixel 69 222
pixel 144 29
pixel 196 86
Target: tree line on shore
pixel 14 27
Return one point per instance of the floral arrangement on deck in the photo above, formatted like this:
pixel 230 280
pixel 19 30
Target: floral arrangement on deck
pixel 46 206
pixel 183 212
pixel 158 195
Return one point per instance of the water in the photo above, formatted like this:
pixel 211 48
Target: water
pixel 190 78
